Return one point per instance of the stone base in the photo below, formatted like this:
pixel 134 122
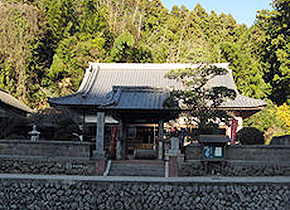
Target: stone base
pixel 174 152
pixel 98 155
pixel 180 158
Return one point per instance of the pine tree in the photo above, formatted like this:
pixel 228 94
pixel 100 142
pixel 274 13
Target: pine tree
pixel 196 99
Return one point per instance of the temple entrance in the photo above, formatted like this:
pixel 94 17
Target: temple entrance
pixel 142 141
pixel 127 135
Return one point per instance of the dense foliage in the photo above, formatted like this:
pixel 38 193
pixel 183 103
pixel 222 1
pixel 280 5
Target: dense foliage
pixel 45 45
pixel 273 120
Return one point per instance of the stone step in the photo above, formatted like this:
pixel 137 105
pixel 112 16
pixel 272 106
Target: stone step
pixel 137 168
pixel 138 162
pixel 137 173
pixel 143 167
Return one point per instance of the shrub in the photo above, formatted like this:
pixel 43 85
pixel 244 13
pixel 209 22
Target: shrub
pixel 250 136
pixel 57 124
pixel 65 130
pixel 14 127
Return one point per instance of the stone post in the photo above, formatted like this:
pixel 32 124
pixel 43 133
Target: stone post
pixel 99 150
pixel 160 139
pixel 173 156
pixel 174 148
pixel 118 149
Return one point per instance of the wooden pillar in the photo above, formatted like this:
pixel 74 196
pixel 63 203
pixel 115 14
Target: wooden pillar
pixel 160 139
pixel 99 150
pixel 124 141
pixel 119 144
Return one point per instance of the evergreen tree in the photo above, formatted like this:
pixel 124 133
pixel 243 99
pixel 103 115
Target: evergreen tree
pixel 275 50
pixel 187 42
pixel 154 31
pixel 247 71
pixel 81 42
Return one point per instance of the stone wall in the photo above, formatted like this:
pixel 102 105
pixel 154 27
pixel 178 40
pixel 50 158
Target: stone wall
pixel 89 193
pixel 45 148
pixel 252 153
pixel 233 168
pixel 43 165
pixel 239 161
pixel 193 153
pixel 281 140
pixel 48 157
pixel 259 153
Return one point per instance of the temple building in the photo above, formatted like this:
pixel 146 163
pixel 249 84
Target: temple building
pixel 123 104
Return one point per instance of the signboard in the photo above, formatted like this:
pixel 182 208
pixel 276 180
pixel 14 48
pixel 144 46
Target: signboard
pixel 213 152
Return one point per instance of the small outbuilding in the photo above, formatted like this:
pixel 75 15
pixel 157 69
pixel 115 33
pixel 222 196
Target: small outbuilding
pixel 12 110
pixel 10 106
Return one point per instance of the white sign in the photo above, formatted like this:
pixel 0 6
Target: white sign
pixel 218 152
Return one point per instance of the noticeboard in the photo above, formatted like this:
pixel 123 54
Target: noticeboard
pixel 213 152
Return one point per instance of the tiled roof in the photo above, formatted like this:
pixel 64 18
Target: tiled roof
pixel 206 139
pixel 243 102
pixel 9 100
pixel 140 86
pixel 126 97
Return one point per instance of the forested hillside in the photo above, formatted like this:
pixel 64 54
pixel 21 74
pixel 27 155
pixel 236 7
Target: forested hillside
pixel 45 45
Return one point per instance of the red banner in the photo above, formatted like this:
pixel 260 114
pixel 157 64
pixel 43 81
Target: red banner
pixel 234 128
pixel 112 149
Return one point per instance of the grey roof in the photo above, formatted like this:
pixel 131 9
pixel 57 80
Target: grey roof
pixel 124 97
pixel 140 86
pixel 7 99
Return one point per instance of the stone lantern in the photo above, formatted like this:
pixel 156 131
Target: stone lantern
pixel 34 134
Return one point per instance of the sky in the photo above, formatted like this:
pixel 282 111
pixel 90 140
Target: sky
pixel 244 11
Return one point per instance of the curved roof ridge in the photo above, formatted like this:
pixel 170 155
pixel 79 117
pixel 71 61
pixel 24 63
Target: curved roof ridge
pixel 88 80
pixel 137 88
pixel 85 80
pixel 138 66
